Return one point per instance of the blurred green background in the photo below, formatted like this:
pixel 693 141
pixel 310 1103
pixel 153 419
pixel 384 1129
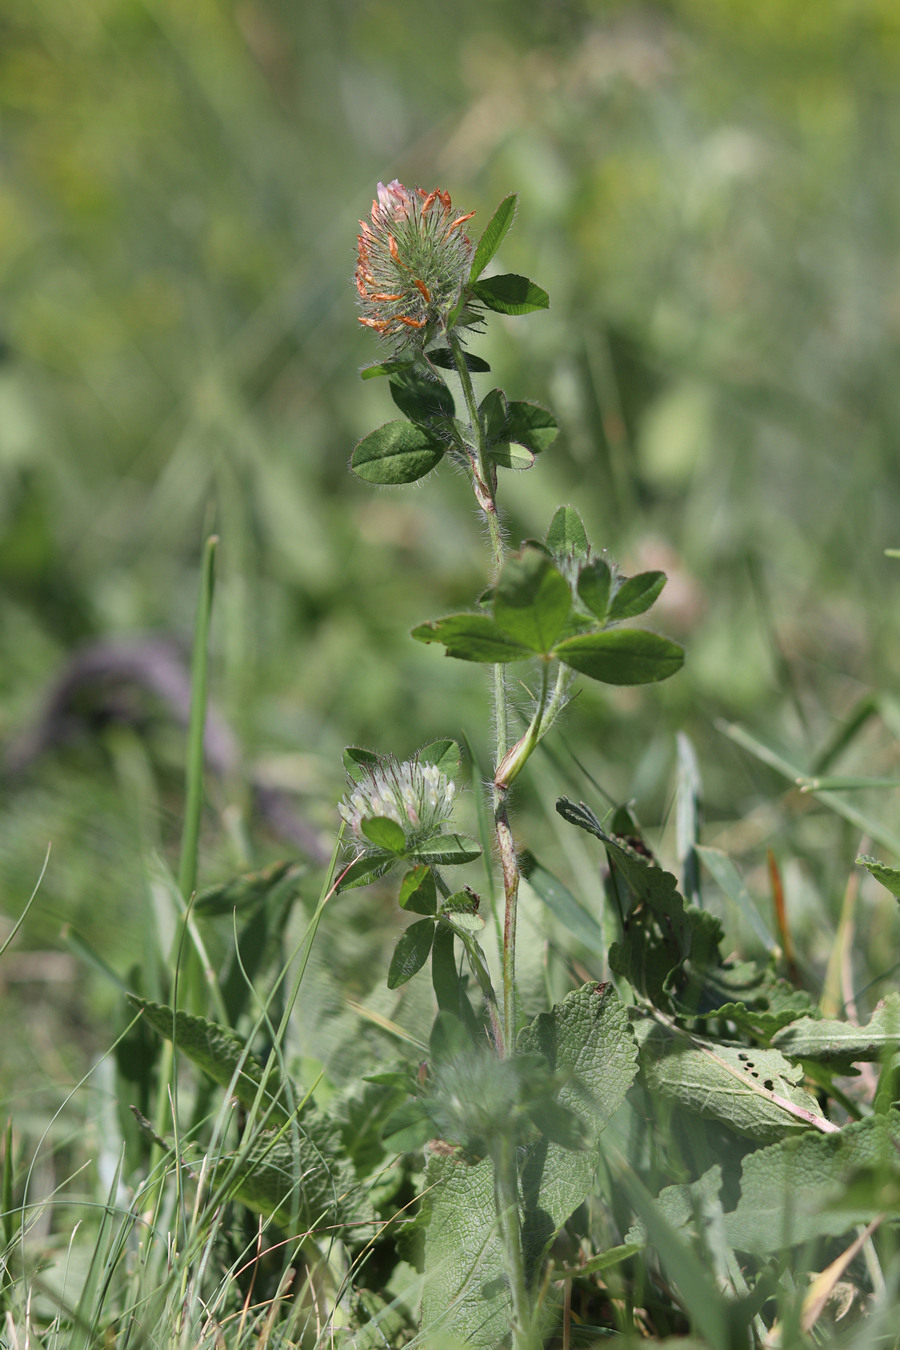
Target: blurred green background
pixel 707 189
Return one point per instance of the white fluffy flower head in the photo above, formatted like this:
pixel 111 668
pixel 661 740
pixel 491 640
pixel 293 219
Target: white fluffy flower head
pixel 417 796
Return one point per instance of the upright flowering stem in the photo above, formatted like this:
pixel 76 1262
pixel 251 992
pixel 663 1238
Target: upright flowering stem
pixel 484 483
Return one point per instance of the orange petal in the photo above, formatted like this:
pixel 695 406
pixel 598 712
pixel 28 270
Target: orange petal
pixel 423 289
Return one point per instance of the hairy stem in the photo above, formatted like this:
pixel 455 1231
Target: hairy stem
pixel 506 1200
pixel 484 483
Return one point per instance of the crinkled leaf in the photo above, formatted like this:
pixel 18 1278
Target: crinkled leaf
pixel 566 534
pixel 754 1092
pixel 418 893
pixel 753 997
pixel 465 1296
pixel 221 1054
pixel 448 850
pixel 795 1191
pixel 472 637
pixel 530 425
pixel 662 934
pixel 421 397
pixel 622 656
pixel 888 876
pixel 635 595
pixel 594 585
pixel 494 233
pixel 587 1039
pixel 443 357
pixel 398 452
pixel 532 600
pixel 298 1177
pixel 411 952
pixel 510 294
pixel 384 833
pixel 840 1044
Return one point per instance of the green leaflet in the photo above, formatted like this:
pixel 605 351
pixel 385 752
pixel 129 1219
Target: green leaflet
pixel 510 294
pixel 397 452
pixel 495 232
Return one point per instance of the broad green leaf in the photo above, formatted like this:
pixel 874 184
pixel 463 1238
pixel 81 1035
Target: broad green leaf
pixel 221 1054
pixel 532 600
pixel 594 585
pixel 563 905
pixel 888 876
pixel 398 452
pixel 243 891
pixel 385 368
pixel 511 456
pixel 530 425
pixel 566 534
pixel 587 1039
pixel 444 755
pixel 754 1092
pixel 494 233
pixel 635 595
pixel 420 397
pixel 510 294
pixel 411 952
pixel 448 850
pixel 794 1192
pixel 418 894
pixel 492 413
pixel 384 833
pixel 840 1044
pixel 472 637
pixel 465 1295
pixel 357 762
pixel 443 357
pixel 622 656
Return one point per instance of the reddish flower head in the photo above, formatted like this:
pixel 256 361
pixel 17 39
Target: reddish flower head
pixel 412 264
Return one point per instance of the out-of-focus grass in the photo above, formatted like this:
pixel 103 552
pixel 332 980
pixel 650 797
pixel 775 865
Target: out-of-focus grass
pixel 706 191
